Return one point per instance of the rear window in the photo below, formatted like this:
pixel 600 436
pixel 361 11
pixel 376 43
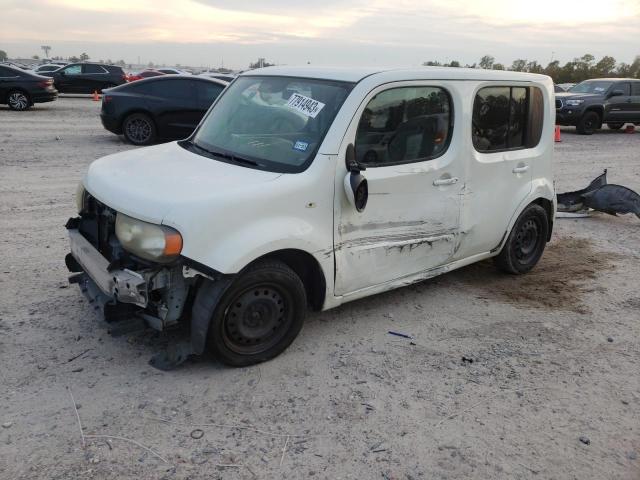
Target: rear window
pixel 94 69
pixel 507 118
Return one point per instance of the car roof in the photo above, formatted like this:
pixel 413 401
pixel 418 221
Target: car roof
pixel 167 78
pixel 356 74
pixel 611 79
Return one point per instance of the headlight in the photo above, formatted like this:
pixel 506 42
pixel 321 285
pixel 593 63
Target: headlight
pixel 81 196
pixel 157 243
pixel 574 103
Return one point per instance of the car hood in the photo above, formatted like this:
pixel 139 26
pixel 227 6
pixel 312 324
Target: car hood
pixel 146 183
pixel 566 95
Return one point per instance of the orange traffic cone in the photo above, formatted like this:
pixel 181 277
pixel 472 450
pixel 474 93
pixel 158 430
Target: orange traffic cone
pixel 96 97
pixel 556 137
pixel 630 129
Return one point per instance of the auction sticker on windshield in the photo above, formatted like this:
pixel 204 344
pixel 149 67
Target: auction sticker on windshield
pixel 305 105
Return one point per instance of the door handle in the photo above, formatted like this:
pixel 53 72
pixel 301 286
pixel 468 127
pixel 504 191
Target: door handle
pixel 445 181
pixel 522 169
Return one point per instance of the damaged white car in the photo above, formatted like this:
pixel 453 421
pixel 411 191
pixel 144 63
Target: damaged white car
pixel 310 187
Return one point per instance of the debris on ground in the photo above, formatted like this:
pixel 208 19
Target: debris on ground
pixel 585 440
pixel 398 334
pixel 601 196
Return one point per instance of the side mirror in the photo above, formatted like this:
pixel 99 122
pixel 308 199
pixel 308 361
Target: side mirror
pixel 616 93
pixel 355 184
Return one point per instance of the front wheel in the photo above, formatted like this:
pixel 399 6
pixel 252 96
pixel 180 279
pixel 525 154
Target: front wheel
pixel 615 126
pixel 18 101
pixel 258 316
pixel 589 123
pixel 139 129
pixel 526 242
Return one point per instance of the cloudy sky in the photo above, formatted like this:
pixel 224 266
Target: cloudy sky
pixel 328 32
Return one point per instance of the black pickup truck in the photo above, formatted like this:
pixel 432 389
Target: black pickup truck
pixel 589 104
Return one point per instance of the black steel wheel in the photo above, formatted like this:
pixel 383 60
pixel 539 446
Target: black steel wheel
pixel 139 129
pixel 615 126
pixel 526 242
pixel 18 100
pixel 589 123
pixel 258 316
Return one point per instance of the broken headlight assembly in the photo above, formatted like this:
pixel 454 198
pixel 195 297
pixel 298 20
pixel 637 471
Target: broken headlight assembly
pixel 81 198
pixel 157 243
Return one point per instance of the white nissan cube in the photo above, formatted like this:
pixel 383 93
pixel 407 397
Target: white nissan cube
pixel 310 187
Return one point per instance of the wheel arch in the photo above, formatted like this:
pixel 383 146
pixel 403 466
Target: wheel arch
pixel 307 268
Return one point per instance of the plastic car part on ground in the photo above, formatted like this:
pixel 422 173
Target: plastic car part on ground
pixel 600 196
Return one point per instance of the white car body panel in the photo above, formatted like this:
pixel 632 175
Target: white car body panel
pixel 230 215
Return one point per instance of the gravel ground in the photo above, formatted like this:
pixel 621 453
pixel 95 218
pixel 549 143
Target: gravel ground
pixel 530 377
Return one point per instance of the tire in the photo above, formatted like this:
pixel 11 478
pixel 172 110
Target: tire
pixel 615 126
pixel 258 316
pixel 526 242
pixel 18 100
pixel 589 123
pixel 139 129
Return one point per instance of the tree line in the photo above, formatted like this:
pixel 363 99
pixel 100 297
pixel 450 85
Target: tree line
pixel 574 71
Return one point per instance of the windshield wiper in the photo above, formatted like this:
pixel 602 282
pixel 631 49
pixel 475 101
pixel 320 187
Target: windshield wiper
pixel 228 156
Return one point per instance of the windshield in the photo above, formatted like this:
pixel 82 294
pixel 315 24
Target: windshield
pixel 591 86
pixel 272 123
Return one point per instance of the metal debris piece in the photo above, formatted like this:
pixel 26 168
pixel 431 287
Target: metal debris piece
pixel 398 334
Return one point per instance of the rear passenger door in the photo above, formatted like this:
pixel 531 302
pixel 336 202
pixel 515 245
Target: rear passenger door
pixel 506 126
pixel 619 108
pixel 8 79
pixel 634 110
pixel 94 77
pixel 175 106
pixel 70 79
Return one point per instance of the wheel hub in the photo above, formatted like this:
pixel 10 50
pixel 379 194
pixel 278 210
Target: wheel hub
pixel 255 317
pixel 527 240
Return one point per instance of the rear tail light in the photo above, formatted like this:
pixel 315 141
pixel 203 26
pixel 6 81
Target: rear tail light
pixel 45 83
pixel 125 77
pixel 106 98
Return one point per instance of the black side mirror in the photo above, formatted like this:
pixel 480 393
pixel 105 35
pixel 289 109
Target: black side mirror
pixel 355 184
pixel 616 93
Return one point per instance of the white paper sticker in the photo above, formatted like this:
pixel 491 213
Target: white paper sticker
pixel 305 105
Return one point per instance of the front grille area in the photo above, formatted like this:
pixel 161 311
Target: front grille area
pixel 98 224
pixel 558 103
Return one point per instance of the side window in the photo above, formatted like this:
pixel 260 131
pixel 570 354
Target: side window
pixel 6 72
pixel 623 87
pixel 208 92
pixel 635 89
pixel 174 89
pixel 507 118
pixel 73 70
pixel 93 69
pixel 404 125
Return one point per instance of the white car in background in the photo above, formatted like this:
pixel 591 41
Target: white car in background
pixel 47 68
pixel 172 71
pixel 270 207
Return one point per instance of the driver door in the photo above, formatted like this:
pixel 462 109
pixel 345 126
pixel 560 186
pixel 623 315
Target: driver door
pixel 402 135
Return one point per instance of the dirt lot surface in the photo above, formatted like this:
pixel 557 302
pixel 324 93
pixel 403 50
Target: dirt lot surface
pixel 549 359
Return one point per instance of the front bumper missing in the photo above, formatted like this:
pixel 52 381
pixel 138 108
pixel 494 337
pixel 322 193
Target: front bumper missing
pixel 124 285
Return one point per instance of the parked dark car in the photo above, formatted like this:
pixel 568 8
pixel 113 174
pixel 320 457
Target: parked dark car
pixel 132 77
pixel 21 89
pixel 168 106
pixel 87 77
pixel 589 104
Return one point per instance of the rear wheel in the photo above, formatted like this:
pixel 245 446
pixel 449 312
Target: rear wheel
pixel 615 126
pixel 258 316
pixel 139 129
pixel 526 242
pixel 18 100
pixel 589 123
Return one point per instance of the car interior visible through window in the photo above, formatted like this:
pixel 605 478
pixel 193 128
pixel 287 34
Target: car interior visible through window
pixel 403 125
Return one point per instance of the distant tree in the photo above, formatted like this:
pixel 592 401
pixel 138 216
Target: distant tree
pixel 35 57
pixel 605 67
pixel 431 63
pixel 518 65
pixel 471 65
pixel 46 49
pixel 3 56
pixel 73 59
pixel 121 63
pixel 454 63
pixel 487 62
pixel 84 57
pixel 534 67
pixel 498 66
pixel 150 65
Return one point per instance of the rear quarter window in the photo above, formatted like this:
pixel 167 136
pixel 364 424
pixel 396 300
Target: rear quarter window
pixel 507 118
